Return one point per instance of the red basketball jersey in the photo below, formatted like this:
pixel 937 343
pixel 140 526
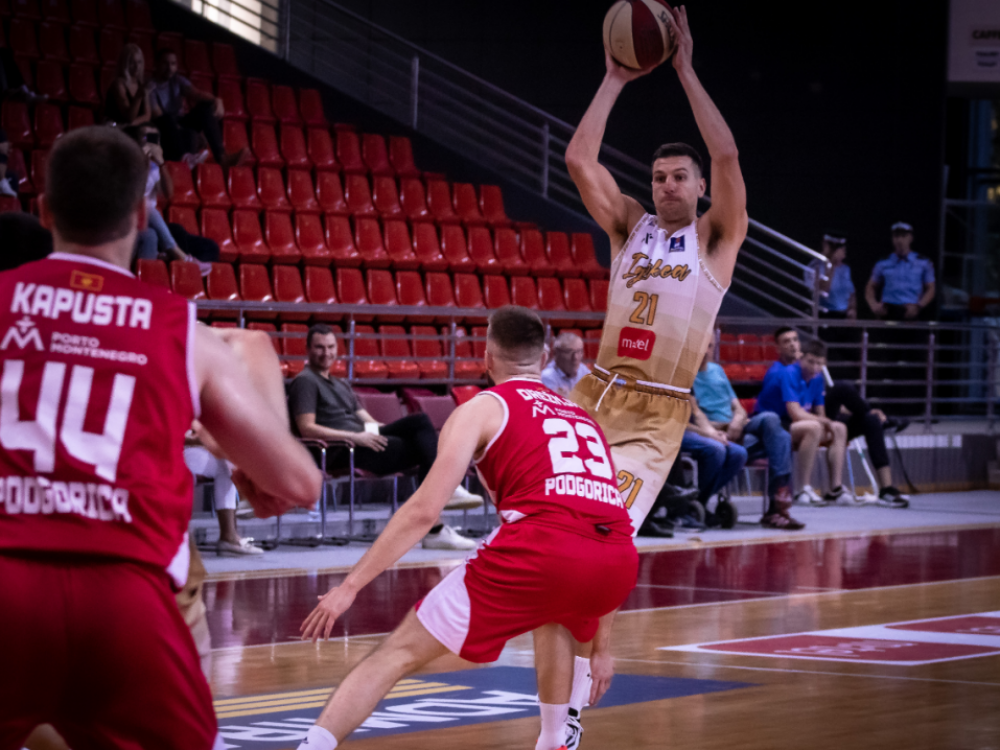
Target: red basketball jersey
pixel 98 390
pixel 550 461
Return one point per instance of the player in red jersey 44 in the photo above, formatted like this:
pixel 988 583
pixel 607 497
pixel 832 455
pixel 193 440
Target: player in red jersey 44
pixel 564 525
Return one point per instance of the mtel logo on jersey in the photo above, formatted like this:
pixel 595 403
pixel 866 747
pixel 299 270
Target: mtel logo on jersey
pixel 636 343
pixel 425 702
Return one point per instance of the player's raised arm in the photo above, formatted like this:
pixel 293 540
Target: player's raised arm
pixel 615 212
pixel 727 218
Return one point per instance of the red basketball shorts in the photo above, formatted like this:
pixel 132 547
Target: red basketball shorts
pixel 100 651
pixel 524 576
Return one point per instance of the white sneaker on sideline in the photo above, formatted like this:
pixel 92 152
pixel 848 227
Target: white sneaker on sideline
pixel 448 538
pixel 245 547
pixel 808 496
pixel 462 499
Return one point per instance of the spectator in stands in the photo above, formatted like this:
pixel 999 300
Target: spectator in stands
pixel 719 459
pixel 906 280
pixel 127 102
pixel 566 367
pixel 796 393
pixel 761 435
pixel 201 456
pixel 325 407
pixel 181 112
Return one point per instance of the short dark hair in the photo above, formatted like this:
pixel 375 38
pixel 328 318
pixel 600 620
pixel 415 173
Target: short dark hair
pixel 94 182
pixel 317 329
pixel 680 149
pixel 162 52
pixel 782 331
pixel 815 347
pixel 517 330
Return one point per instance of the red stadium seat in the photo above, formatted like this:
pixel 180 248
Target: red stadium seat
pixel 413 199
pixel 533 252
pixel 80 117
pixel 311 108
pixel 439 291
pixel 293 148
pixel 465 393
pixel 729 337
pixel 48 124
pixel 25 9
pixel 284 105
pixel 491 205
pixel 10 205
pixel 351 289
pixel 319 290
pixel 84 11
pixel 382 291
pixel 495 291
pixel 234 138
pixel 137 16
pixel 82 88
pixel 398 246
pixel 319 147
pixel 349 153
pixel 584 257
pixel 468 293
pixel 410 293
pixel 341 242
pixel 52 42
pixel 330 194
pixel 427 248
pixel 243 189
pixel 367 362
pixel 455 249
pixel 294 346
pixel 599 295
pixel 49 80
pixel 481 250
pixel 255 286
pixel 508 252
pixel 770 350
pixel 479 347
pixel 81 44
pixel 22 38
pixel 385 198
pixel 309 236
pixel 232 99
pixel 212 186
pixel 401 156
pixel 215 226
pixel 224 60
pixel 749 404
pixel 38 161
pixel 751 349
pixel 550 299
pixel 428 352
pixel 392 345
pixel 523 292
pixel 468 362
pixel 735 372
pixel 729 352
pixel 196 57
pixel 375 155
pixel 152 271
pixel 184 193
pixel 110 43
pixel 467 205
pixel 271 190
pixel 16 166
pixel 258 100
pixel 300 192
pixel 111 13
pixel 591 343
pixel 185 216
pixel 14 120
pixel 756 372
pixel 248 238
pixel 368 240
pixel 287 285
pixel 24 66
pixel 280 238
pixel 359 197
pixel 557 248
pixel 265 145
pixel 576 295
pixel 56 11
pixel 439 203
pixel 185 280
pixel 221 286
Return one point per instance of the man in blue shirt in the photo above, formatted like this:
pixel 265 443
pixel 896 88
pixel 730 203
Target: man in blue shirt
pixel 714 445
pixel 905 279
pixel 794 390
pixel 566 367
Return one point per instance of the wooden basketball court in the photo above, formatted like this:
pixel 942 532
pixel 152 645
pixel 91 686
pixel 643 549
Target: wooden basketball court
pixel 886 640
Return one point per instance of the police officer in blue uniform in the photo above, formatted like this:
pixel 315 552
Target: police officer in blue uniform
pixel 906 280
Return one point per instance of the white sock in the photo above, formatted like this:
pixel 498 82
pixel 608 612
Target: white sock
pixel 580 696
pixel 553 735
pixel 318 738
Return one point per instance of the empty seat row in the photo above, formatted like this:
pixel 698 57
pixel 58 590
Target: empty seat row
pixel 132 14
pixel 77 42
pixel 747 348
pixel 738 373
pixel 31 173
pixel 48 123
pixel 75 83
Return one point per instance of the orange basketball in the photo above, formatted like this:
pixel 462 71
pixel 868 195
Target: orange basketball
pixel 637 33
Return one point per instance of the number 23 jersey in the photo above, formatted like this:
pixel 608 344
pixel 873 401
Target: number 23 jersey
pixel 550 462
pixel 98 390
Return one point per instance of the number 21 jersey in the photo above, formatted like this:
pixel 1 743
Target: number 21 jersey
pixel 98 390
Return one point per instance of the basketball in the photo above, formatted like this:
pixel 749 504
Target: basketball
pixel 637 33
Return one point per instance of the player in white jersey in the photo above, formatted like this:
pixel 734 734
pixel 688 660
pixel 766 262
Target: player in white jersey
pixel 669 272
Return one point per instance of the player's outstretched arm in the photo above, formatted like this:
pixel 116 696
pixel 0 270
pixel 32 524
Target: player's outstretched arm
pixel 249 427
pixel 727 218
pixel 615 212
pixel 467 431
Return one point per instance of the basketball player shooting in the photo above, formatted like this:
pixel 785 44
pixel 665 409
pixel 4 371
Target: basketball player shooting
pixel 669 272
pixel 564 526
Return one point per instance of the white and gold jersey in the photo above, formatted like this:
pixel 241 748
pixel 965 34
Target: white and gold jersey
pixel 662 304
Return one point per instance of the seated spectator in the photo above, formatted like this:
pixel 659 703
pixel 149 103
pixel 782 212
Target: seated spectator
pixel 905 279
pixel 181 112
pixel 796 393
pixel 718 459
pixel 324 407
pixel 762 436
pixel 126 102
pixel 566 367
pixel 6 189
pixel 200 456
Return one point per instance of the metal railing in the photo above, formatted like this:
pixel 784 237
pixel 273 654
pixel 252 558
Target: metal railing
pixel 514 138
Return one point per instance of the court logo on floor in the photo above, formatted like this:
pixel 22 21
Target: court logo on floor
pixel 472 696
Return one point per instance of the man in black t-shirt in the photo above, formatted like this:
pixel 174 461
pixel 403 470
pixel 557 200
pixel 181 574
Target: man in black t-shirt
pixel 325 407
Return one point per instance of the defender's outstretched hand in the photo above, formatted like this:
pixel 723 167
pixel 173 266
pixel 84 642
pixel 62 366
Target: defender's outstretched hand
pixel 331 606
pixel 680 32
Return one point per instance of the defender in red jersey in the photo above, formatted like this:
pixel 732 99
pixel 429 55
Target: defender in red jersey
pixel 548 469
pixel 100 377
